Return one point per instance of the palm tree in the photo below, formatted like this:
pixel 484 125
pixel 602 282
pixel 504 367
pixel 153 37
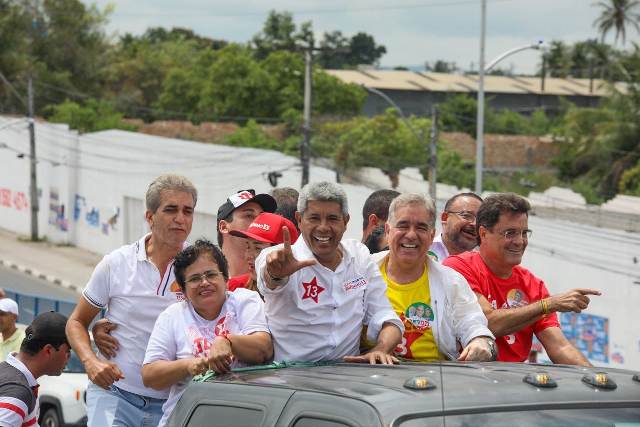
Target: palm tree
pixel 617 14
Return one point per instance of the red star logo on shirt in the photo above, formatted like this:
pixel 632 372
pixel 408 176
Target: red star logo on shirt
pixel 312 290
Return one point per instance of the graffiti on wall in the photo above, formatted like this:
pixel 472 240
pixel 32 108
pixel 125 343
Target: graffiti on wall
pixel 13 199
pixel 56 211
pixel 92 216
pixel 589 333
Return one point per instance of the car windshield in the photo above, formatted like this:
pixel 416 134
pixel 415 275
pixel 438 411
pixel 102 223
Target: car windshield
pixel 609 417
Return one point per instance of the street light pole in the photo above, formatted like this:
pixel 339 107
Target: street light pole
pixel 480 118
pixel 305 156
pixel 482 71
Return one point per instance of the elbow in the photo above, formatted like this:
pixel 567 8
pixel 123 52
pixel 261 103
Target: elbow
pixel 149 379
pixel 495 327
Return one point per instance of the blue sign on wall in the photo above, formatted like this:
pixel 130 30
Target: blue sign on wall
pixel 589 333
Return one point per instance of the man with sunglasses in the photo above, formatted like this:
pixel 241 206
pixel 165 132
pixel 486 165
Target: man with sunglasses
pixel 516 303
pixel 458 221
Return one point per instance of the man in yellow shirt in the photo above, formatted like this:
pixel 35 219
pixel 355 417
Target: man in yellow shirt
pixel 12 336
pixel 440 312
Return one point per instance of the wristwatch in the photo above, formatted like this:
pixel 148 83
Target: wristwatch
pixel 492 348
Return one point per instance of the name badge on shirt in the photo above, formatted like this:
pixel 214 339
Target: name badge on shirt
pixel 356 283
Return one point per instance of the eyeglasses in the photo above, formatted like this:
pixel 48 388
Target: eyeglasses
pixel 466 215
pixel 208 276
pixel 513 234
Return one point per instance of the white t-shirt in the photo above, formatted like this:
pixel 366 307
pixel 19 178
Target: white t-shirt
pixel 319 313
pixel 128 285
pixel 180 333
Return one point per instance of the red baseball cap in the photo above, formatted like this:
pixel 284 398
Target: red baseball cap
pixel 267 227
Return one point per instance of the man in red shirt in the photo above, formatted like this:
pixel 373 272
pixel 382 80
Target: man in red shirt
pixel 516 303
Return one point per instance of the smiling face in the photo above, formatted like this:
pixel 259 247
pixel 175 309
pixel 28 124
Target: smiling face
pixel 459 225
pixel 322 225
pixel 171 223
pixel 206 295
pixel 500 252
pixel 410 235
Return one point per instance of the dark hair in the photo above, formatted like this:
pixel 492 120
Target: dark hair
pixel 188 256
pixel 46 328
pixel 497 204
pixel 287 202
pixel 378 204
pixel 228 218
pixel 372 241
pixel 449 202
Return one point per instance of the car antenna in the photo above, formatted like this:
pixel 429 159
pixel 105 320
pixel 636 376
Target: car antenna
pixel 440 348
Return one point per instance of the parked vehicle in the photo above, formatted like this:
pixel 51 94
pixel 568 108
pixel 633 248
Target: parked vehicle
pixel 63 398
pixel 412 394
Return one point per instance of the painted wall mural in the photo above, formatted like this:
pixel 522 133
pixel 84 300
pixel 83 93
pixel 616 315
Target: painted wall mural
pixel 92 216
pixel 56 211
pixel 589 333
pixel 13 199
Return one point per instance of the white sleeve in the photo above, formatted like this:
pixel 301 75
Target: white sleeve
pixel 162 343
pixel 468 319
pixel 378 309
pixel 261 263
pixel 97 289
pixel 250 312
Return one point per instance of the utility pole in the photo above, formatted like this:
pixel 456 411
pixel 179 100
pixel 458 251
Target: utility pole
pixel 305 155
pixel 480 119
pixel 33 183
pixel 433 156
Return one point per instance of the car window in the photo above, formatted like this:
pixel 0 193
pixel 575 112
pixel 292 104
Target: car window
pixel 609 417
pixel 317 422
pixel 223 415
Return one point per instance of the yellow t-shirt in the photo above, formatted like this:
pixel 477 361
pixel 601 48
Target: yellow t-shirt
pixel 12 344
pixel 412 303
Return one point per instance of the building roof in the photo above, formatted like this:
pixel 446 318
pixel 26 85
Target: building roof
pixel 441 82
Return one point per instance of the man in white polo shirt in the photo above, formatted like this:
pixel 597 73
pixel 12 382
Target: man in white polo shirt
pixel 134 284
pixel 321 291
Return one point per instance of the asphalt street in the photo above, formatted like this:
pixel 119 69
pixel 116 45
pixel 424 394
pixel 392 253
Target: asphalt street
pixel 17 281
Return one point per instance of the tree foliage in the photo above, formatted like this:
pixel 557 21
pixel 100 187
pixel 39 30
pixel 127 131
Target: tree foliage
pixel 91 116
pixel 616 15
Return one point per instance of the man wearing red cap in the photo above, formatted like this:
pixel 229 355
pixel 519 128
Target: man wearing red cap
pixel 237 213
pixel 264 231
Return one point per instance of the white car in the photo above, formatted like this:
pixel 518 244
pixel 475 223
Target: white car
pixel 63 398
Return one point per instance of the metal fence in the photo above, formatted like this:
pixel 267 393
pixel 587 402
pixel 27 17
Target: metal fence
pixel 30 306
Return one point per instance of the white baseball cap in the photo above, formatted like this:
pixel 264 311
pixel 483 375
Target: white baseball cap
pixel 8 306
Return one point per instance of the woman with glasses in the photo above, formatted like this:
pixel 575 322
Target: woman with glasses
pixel 211 329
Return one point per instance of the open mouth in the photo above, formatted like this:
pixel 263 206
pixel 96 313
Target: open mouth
pixel 469 232
pixel 322 239
pixel 408 245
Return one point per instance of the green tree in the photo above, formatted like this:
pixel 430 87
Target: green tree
pixel 459 114
pixel 279 33
pixel 616 15
pixel 92 116
pixel 630 181
pixel 364 50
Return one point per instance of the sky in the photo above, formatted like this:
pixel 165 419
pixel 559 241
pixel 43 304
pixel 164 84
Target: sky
pixel 413 31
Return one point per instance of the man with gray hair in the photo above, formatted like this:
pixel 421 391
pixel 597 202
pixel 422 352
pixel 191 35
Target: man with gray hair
pixel 133 284
pixel 322 290
pixel 435 303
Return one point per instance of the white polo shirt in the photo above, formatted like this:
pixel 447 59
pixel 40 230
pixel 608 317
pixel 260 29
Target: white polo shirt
pixel 14 410
pixel 318 314
pixel 180 333
pixel 438 250
pixel 128 285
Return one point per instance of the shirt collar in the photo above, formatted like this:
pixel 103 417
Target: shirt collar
pixel 13 361
pixel 141 247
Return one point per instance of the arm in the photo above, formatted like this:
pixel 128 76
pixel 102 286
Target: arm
pixel 507 321
pixel 101 373
pixel 559 349
pixel 251 349
pixel 480 349
pixel 388 338
pixel 162 374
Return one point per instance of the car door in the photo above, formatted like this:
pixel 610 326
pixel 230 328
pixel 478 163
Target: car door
pixel 313 409
pixel 222 404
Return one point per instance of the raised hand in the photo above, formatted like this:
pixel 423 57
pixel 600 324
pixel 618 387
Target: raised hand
pixel 281 262
pixel 575 300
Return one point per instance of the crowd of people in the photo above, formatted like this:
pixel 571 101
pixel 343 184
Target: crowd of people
pixel 283 285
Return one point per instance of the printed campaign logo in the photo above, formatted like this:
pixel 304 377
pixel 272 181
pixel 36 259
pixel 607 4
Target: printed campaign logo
pixel 355 283
pixel 419 315
pixel 175 288
pixel 312 290
pixel 517 298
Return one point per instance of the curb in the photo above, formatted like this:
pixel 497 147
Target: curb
pixel 33 272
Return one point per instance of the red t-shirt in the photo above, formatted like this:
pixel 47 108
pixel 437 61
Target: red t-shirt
pixel 521 289
pixel 238 282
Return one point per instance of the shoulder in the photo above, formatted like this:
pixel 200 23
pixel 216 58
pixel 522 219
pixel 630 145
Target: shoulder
pixel 242 296
pixel 464 259
pixel 15 385
pixel 237 282
pixel 356 249
pixel 526 275
pixel 173 310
